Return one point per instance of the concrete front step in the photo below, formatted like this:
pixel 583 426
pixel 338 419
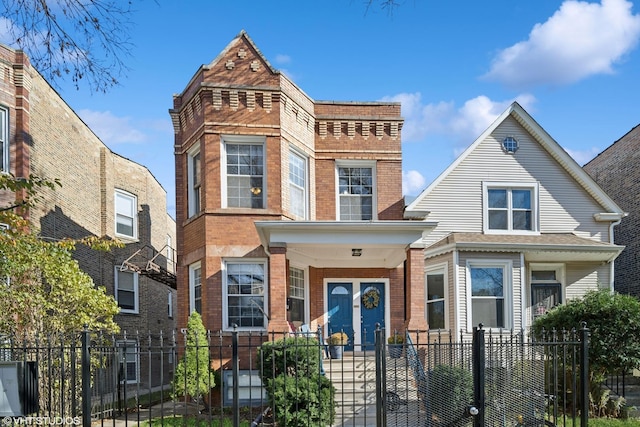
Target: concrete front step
pixel 354 377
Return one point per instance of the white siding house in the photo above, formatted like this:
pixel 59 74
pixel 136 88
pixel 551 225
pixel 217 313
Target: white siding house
pixel 520 228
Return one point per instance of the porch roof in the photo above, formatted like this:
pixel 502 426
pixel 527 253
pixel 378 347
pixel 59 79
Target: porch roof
pixel 325 244
pixel 560 247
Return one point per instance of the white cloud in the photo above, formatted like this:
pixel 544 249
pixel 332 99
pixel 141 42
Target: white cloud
pixel 111 129
pixel 581 39
pixel 583 156
pixel 282 59
pixel 461 125
pixel 412 182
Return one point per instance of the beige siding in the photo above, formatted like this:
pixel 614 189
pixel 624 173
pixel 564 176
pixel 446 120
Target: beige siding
pixel 513 302
pixel 564 206
pixel 450 301
pixel 582 277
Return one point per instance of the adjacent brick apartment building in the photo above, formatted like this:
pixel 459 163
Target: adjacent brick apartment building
pixel 290 210
pixel 616 171
pixel 102 194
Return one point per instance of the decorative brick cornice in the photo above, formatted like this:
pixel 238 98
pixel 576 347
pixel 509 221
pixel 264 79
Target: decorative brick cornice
pixel 351 127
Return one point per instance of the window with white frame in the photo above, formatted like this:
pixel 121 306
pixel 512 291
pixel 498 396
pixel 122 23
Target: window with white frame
pixel 126 214
pixel 296 295
pixel 195 288
pixel 510 208
pixel 4 139
pixel 356 191
pixel 194 179
pixel 244 292
pixel 546 288
pixel 436 301
pixel 244 172
pixel 127 290
pixel 298 185
pixel 170 305
pixel 129 356
pixel 489 290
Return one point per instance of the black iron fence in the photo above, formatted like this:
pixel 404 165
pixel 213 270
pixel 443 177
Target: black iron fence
pixel 437 379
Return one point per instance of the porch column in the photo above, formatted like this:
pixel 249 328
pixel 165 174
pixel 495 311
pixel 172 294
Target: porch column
pixel 278 288
pixel 415 298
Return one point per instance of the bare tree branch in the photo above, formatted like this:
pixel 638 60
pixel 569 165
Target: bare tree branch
pixel 86 40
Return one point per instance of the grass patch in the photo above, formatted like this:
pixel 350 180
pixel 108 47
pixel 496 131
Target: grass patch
pixel 602 422
pixel 179 421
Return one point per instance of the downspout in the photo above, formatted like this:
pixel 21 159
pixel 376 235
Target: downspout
pixel 611 263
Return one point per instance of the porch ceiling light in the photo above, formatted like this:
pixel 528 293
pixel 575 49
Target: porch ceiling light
pixel 356 252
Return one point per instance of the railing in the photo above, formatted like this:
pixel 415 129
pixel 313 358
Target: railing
pixel 488 378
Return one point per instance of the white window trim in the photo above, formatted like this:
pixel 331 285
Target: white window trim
pixel 170 305
pixel 191 207
pixel 225 305
pixel 134 199
pixel 305 189
pixel 248 140
pixel 307 307
pixel 136 294
pixel 4 117
pixel 507 265
pixel 374 175
pixel 436 269
pixel 560 270
pixel 535 206
pixel 192 299
pixel 132 348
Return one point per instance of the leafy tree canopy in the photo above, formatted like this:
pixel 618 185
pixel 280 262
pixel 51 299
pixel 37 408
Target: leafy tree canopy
pixel 43 290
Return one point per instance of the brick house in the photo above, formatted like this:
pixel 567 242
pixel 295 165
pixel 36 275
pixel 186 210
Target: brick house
pixel 290 210
pixel 616 170
pixel 102 194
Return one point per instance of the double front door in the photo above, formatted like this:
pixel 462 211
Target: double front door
pixel 356 308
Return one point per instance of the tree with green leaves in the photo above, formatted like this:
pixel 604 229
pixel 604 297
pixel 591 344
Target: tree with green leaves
pixel 194 376
pixel 45 291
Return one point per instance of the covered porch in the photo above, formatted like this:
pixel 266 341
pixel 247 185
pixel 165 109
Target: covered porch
pixel 356 274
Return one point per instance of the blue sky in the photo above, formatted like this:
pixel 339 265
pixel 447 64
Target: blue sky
pixel 455 66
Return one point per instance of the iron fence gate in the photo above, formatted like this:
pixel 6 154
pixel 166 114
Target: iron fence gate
pixel 435 379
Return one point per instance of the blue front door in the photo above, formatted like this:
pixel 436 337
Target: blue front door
pixel 372 303
pixel 340 310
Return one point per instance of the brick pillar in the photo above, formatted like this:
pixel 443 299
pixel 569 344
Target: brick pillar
pixel 278 289
pixel 415 298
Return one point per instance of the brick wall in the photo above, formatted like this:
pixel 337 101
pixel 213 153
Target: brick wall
pixel 239 94
pixel 58 145
pixel 616 171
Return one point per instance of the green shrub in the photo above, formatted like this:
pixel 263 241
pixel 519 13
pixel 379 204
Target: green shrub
pixel 293 356
pixel 302 401
pixel 193 375
pixel 450 391
pixel 297 391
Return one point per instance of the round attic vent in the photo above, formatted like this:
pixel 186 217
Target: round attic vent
pixel 510 144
